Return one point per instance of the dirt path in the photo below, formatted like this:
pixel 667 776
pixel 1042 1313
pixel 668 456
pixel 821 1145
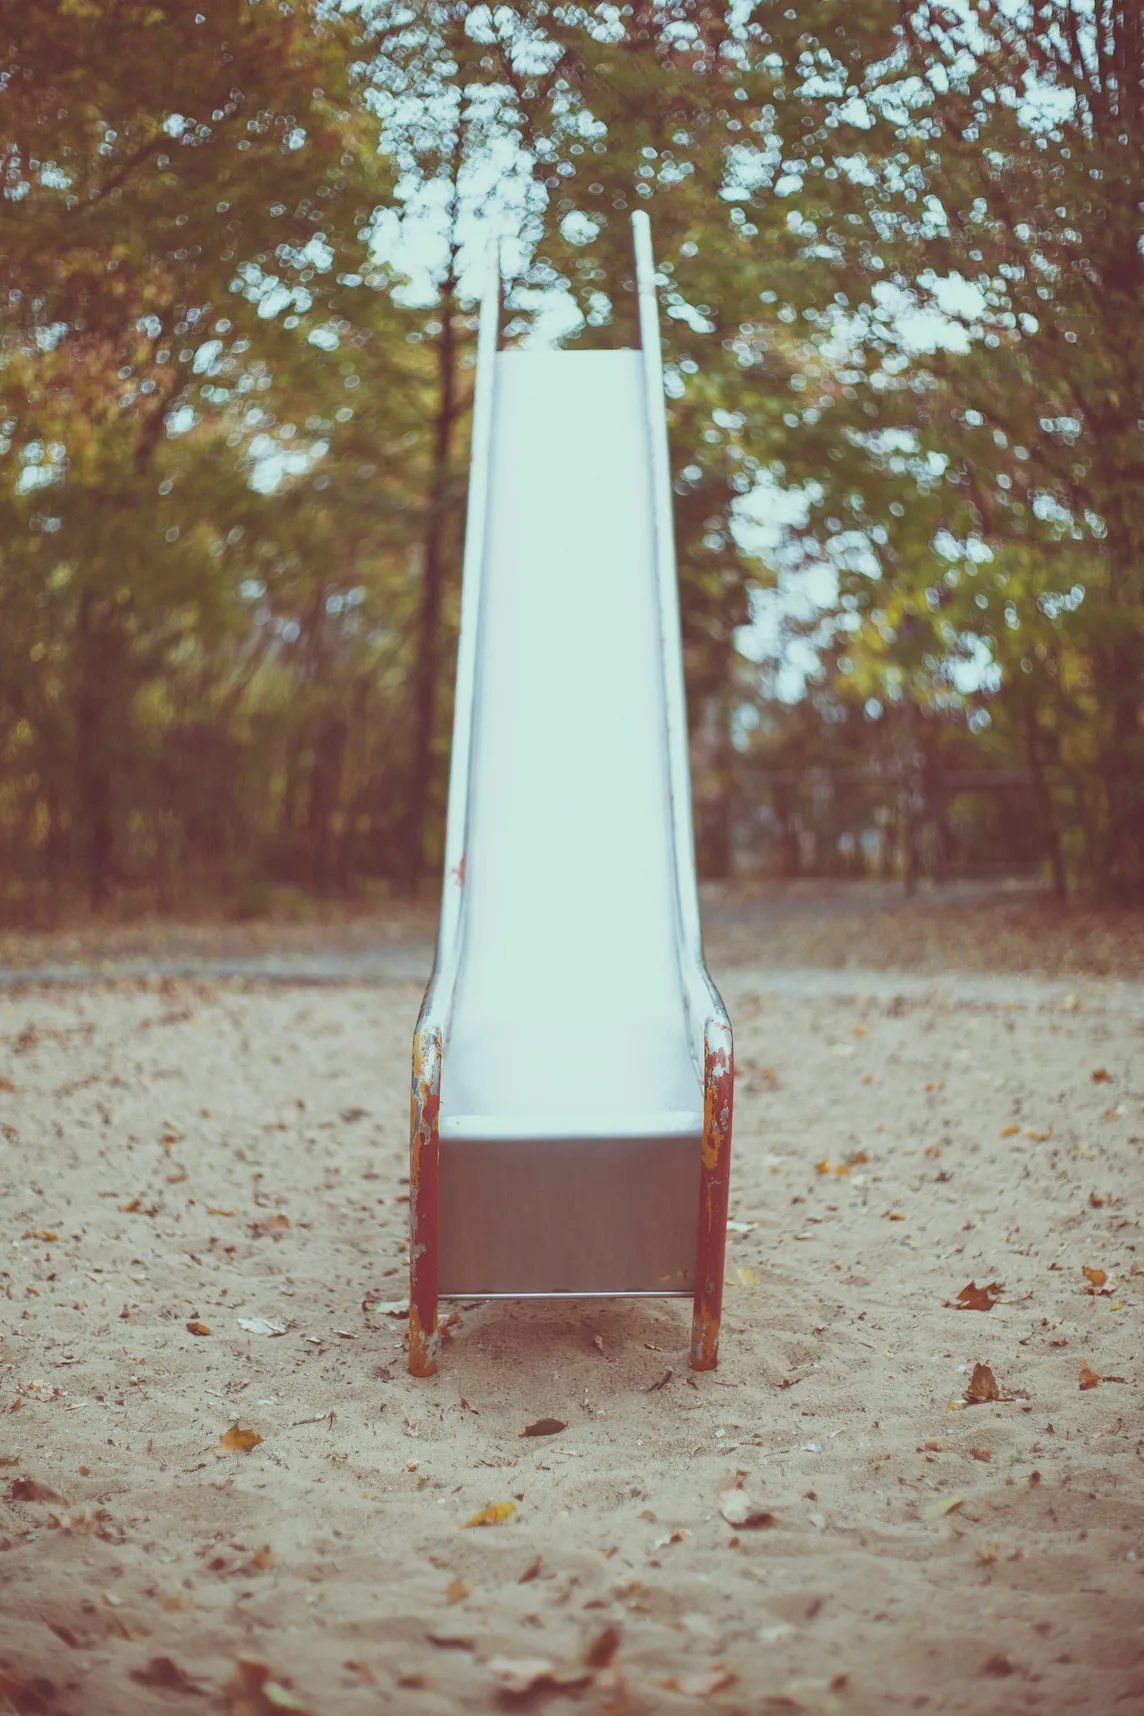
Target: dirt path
pixel 211 1155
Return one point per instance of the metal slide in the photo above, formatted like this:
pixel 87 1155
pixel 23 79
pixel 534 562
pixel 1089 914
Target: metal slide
pixel 572 1064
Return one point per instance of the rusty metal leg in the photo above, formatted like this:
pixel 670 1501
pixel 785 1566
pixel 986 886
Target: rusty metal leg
pixel 424 1158
pixel 714 1184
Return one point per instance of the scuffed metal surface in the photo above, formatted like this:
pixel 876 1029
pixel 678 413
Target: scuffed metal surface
pixel 424 1160
pixel 714 1188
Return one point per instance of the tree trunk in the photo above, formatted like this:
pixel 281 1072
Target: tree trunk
pixel 92 762
pixel 427 664
pixel 1045 811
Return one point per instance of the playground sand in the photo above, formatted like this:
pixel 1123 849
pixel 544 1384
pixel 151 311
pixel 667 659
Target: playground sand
pixel 204 1155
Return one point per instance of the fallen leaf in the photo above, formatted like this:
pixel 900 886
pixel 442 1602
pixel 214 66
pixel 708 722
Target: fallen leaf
pixel 676 1536
pixel 197 1328
pixel 1101 1075
pixel 707 1681
pixel 252 1691
pixel 531 1572
pixel 660 1382
pixel 236 1440
pixel 1088 1377
pixel 982 1386
pixel 27 1489
pixel 129 1209
pixel 893 1215
pixel 823 1167
pixel 491 1515
pixel 44 1233
pixel 261 1326
pixel 277 1223
pixel 390 1308
pixel 981 1453
pixel 517 1676
pixel 998 1667
pixel 545 1427
pixel 975 1298
pixel 457 1590
pixel 603 1648
pixel 1010 1131
pixel 165 1672
pixel 941 1506
pixel 1097 1276
pixel 6 1084
pixel 217 1212
pixel 741 1509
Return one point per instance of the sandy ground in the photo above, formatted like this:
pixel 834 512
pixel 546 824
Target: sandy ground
pixel 213 1154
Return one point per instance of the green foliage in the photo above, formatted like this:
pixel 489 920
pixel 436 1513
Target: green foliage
pixel 900 273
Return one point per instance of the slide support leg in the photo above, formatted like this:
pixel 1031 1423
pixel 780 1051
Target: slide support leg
pixel 424 1167
pixel 714 1184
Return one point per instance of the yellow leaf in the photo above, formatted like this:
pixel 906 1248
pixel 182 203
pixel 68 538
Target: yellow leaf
pixel 491 1515
pixel 456 1591
pixel 197 1328
pixel 1097 1276
pixel 941 1506
pixel 236 1440
pixel 1010 1131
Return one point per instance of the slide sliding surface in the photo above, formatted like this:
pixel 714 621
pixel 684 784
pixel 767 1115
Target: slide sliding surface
pixel 572 1065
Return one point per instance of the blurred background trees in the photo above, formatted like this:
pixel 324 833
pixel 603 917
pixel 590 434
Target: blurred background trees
pixel 899 252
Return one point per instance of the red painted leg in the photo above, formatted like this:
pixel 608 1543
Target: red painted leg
pixel 714 1184
pixel 424 1161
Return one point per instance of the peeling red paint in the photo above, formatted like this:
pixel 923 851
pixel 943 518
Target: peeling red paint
pixel 424 1161
pixel 714 1187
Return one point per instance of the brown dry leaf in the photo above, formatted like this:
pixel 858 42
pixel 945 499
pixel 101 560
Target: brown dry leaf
pixel 1010 1131
pixel 975 1298
pixel 196 1328
pixel 164 1671
pixel 27 1489
pixel 893 1215
pixel 941 1506
pixel 741 1509
pixel 1097 1276
pixel 44 1233
pixel 981 1453
pixel 236 1440
pixel 982 1386
pixel 857 1158
pixel 603 1648
pixel 129 1209
pixel 457 1590
pixel 252 1691
pixel 262 1558
pixel 491 1515
pixel 1101 1075
pixel 1088 1377
pixel 823 1167
pixel 517 1676
pixel 531 1572
pixel 545 1427
pixel 704 1683
pixel 6 1084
